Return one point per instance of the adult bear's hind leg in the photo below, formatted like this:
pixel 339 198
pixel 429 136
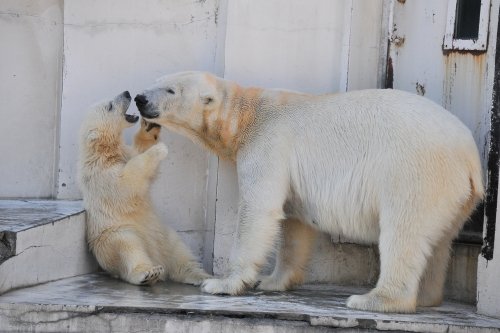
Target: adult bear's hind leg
pixel 404 248
pixel 295 250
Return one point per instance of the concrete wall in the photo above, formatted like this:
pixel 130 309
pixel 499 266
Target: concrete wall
pixel 126 45
pixel 31 35
pixel 317 46
pixel 459 81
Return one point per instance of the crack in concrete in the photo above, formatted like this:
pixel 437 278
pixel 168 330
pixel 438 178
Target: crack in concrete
pixel 18 15
pixel 140 24
pixel 30 247
pixel 69 315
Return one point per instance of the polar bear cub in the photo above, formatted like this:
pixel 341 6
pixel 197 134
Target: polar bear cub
pixel 123 232
pixel 375 166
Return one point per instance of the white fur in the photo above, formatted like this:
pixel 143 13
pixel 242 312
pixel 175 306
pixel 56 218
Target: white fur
pixel 123 231
pixel 373 166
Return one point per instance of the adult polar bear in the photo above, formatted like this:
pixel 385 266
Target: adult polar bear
pixel 380 166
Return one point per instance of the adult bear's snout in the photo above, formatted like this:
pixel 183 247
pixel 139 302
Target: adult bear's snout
pixel 144 107
pixel 141 101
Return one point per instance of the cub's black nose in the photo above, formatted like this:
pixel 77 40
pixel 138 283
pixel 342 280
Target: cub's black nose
pixel 140 101
pixel 127 94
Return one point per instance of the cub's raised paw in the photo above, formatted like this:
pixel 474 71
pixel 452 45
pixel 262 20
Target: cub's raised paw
pixel 159 150
pixel 150 127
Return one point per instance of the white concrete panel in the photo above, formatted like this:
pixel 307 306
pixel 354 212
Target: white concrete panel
pixel 364 44
pixel 48 252
pixel 293 45
pixel 285 44
pixel 457 80
pixel 126 45
pixel 416 50
pixel 30 74
pixel 305 46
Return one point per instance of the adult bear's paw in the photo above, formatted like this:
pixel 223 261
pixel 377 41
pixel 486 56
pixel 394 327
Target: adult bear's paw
pixel 378 303
pixel 228 286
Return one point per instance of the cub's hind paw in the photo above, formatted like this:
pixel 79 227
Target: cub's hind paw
pixel 146 275
pixel 153 275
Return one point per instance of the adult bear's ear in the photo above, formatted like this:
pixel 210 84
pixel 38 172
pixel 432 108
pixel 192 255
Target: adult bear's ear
pixel 207 99
pixel 92 135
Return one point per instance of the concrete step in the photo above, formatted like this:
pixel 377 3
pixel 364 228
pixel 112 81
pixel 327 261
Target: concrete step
pixel 95 302
pixel 40 241
pixel 344 263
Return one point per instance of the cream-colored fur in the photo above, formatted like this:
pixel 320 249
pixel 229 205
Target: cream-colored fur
pixel 123 231
pixel 373 166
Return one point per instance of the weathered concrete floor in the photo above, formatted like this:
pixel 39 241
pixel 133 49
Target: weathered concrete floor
pixel 74 304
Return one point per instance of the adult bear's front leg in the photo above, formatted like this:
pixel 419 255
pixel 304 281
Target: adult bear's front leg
pixel 263 190
pixel 257 233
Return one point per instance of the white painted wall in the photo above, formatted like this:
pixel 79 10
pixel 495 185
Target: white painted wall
pixel 307 46
pixel 126 45
pixel 30 76
pixel 460 81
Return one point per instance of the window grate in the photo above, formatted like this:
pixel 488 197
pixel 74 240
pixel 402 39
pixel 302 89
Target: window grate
pixel 467 25
pixel 467 19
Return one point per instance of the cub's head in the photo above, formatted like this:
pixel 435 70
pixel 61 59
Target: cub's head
pixel 108 118
pixel 181 101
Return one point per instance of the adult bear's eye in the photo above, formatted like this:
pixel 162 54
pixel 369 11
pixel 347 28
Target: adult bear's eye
pixel 110 106
pixel 171 91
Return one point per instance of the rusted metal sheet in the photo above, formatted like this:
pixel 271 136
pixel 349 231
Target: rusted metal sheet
pixel 478 44
pixel 459 80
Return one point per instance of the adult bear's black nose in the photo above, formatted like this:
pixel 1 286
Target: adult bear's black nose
pixel 141 101
pixel 127 94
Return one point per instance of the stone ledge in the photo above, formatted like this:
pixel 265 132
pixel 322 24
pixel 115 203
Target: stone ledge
pixel 40 241
pixel 95 302
pixel 20 215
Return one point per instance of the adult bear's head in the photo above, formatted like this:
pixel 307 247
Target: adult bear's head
pixel 180 101
pixel 209 110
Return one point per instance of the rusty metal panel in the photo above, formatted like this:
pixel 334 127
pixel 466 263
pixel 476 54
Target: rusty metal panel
pixel 457 80
pixel 461 81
